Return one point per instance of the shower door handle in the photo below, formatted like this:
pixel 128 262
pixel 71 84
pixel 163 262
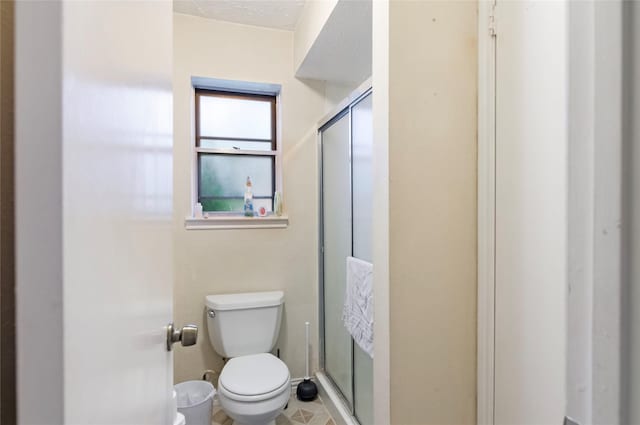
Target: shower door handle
pixel 187 336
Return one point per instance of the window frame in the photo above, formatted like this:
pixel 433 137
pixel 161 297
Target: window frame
pixel 198 151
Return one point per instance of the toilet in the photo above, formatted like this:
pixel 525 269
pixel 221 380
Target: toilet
pixel 254 385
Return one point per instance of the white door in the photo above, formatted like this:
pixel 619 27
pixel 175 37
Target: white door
pixel 101 158
pixel 531 224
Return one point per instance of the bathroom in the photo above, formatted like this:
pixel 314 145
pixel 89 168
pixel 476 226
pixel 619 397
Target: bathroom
pixel 322 61
pixel 490 206
pixel 126 133
pixel 214 257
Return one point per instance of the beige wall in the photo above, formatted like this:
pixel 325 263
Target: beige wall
pixel 224 261
pixel 432 211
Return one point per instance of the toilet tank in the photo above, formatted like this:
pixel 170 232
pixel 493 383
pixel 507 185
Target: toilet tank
pixel 242 324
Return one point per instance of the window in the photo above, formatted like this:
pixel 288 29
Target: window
pixel 235 138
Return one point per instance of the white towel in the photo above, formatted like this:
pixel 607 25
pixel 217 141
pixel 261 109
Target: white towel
pixel 357 314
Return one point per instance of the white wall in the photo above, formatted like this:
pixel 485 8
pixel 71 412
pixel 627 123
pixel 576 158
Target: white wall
pixel 341 50
pixel 597 350
pixel 380 216
pixel 562 227
pixel 219 261
pixel 335 93
pixel 608 266
pixel 581 150
pixel 313 18
pixel 531 212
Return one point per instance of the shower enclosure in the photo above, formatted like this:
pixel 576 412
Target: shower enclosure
pixel 346 210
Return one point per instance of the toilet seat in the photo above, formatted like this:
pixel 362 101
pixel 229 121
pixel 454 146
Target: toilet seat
pixel 254 377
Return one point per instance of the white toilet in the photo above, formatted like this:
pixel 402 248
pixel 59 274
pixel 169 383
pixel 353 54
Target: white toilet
pixel 254 386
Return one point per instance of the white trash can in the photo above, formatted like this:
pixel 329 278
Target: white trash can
pixel 179 419
pixel 195 401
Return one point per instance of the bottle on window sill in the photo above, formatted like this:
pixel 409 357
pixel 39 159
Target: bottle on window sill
pixel 248 199
pixel 278 204
pixel 198 210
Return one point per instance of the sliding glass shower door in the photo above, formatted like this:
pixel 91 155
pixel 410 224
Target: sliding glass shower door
pixel 336 196
pixel 362 178
pixel 347 179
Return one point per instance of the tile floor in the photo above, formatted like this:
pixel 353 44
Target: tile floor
pixel 298 412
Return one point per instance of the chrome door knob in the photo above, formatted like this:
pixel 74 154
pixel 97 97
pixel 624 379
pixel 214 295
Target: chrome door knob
pixel 187 336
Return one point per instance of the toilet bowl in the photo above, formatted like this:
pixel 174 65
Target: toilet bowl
pixel 254 389
pixel 254 385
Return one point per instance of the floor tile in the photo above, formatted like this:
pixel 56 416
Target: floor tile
pixel 297 413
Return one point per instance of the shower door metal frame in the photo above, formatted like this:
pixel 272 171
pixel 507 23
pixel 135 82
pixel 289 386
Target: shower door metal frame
pixel 342 110
pixel 340 115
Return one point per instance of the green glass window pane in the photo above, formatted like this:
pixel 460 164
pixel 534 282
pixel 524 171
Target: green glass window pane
pixel 222 204
pixel 222 181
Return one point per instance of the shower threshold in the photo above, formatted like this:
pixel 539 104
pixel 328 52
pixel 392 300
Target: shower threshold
pixel 333 401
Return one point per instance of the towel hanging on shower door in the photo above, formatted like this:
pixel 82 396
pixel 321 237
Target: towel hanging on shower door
pixel 357 313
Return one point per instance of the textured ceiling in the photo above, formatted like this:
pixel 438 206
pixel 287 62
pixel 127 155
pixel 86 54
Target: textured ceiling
pixel 280 14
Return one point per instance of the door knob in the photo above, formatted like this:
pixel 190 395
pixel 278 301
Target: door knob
pixel 187 336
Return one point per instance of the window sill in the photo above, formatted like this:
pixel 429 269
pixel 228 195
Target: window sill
pixel 236 222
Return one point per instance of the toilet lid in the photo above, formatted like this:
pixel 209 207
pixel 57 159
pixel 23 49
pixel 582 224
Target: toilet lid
pixel 254 374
